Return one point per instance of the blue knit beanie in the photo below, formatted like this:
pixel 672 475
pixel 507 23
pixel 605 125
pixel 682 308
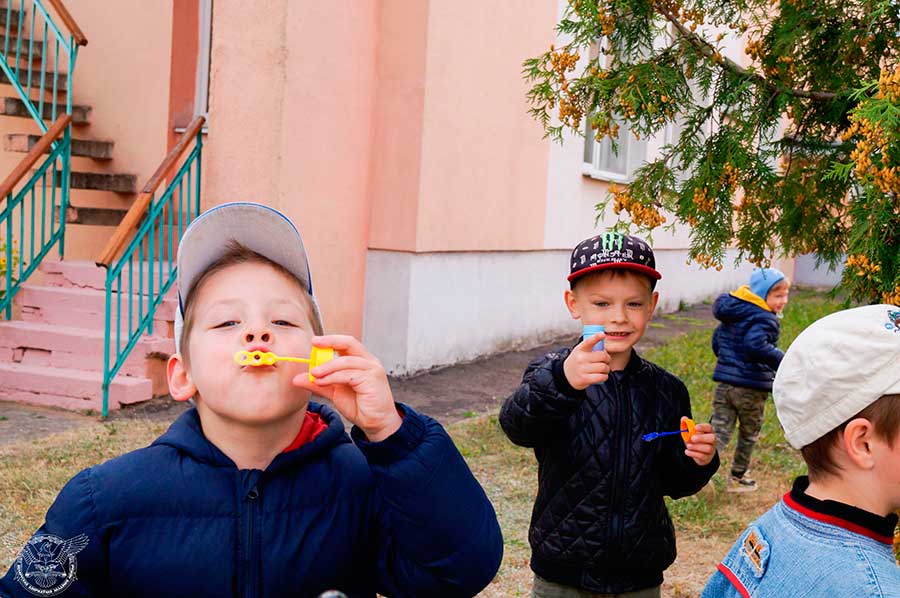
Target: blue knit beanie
pixel 763 279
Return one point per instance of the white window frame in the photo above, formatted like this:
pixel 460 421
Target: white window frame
pixel 201 93
pixel 201 78
pixel 632 153
pixel 598 156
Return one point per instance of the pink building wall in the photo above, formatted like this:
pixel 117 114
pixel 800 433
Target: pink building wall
pixel 291 107
pixel 395 170
pixel 484 162
pixel 459 165
pixel 398 126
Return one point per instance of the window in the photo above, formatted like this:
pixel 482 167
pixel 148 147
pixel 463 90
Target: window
pixel 600 162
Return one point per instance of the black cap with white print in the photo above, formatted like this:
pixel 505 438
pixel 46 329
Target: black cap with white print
pixel 613 250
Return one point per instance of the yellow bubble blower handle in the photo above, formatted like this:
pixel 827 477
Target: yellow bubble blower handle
pixel 317 357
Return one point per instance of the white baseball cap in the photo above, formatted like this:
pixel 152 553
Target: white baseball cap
pixel 259 228
pixel 836 368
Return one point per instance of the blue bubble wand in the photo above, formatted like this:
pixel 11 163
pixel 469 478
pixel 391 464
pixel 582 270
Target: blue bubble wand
pixel 686 433
pixel 655 435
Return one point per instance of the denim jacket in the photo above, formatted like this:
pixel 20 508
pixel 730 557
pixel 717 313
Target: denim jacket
pixel 807 548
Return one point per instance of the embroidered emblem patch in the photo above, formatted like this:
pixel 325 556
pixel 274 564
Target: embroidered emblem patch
pixel 756 552
pixel 46 566
pixel 894 323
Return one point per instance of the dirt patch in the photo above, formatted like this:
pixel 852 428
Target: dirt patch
pixel 448 394
pixel 20 423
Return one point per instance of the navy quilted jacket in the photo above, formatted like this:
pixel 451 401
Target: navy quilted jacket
pixel 599 521
pixel 403 517
pixel 744 342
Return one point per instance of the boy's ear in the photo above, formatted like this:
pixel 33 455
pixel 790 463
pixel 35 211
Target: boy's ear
pixel 180 385
pixel 572 305
pixel 857 442
pixel 654 299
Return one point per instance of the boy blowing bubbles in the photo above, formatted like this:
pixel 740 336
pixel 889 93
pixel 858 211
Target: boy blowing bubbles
pixel 259 491
pixel 599 524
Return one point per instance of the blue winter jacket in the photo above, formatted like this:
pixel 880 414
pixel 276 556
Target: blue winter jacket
pixel 744 342
pixel 402 517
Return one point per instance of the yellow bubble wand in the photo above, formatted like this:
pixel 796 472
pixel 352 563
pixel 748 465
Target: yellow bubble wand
pixel 317 357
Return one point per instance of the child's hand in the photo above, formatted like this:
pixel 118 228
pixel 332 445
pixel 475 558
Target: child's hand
pixel 584 366
pixel 702 446
pixel 357 384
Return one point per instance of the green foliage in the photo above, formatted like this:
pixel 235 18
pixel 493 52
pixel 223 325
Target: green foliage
pixel 827 181
pixel 7 263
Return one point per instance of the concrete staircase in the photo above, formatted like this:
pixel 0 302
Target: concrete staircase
pixel 99 199
pixel 53 356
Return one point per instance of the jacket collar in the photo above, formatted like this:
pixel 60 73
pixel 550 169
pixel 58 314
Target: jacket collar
pixel 745 294
pixel 186 435
pixel 851 518
pixel 634 366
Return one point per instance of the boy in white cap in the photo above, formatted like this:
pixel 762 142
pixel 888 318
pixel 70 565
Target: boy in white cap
pixel 837 394
pixel 258 491
pixel 747 356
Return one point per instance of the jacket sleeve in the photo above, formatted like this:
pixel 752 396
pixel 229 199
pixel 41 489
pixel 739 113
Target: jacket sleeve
pixel 759 343
pixel 66 556
pixel 681 475
pixel 437 533
pixel 536 414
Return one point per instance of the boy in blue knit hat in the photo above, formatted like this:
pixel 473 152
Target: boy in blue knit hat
pixel 747 359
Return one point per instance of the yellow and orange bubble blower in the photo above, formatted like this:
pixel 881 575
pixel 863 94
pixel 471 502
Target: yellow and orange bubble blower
pixel 686 431
pixel 317 357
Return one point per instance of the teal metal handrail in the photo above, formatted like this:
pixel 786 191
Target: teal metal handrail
pixel 17 210
pixel 146 271
pixel 54 123
pixel 54 44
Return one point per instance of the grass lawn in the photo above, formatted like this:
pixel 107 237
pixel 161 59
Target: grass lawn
pixel 32 473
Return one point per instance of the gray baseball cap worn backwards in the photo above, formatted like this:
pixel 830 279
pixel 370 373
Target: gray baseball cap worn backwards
pixel 259 228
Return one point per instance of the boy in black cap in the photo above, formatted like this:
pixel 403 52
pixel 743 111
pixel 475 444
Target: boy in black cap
pixel 599 524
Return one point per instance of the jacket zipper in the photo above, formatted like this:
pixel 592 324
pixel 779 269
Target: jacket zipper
pixel 614 490
pixel 619 467
pixel 250 556
pixel 625 441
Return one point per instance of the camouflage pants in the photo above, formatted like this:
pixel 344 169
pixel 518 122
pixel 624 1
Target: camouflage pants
pixel 745 405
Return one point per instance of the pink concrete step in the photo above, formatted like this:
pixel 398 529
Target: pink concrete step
pixel 68 388
pixel 85 307
pixel 85 274
pixel 39 344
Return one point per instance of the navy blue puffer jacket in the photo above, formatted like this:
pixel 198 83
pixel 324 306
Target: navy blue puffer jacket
pixel 744 342
pixel 599 521
pixel 403 517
